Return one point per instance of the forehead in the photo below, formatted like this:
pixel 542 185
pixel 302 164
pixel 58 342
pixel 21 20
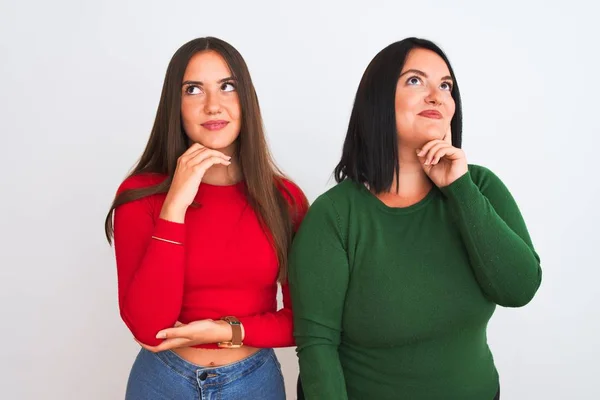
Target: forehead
pixel 206 66
pixel 427 61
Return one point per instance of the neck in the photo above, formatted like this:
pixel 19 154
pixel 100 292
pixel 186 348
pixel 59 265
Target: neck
pixel 412 179
pixel 221 175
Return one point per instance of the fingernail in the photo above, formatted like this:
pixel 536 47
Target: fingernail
pixel 161 335
pixel 229 157
pixel 418 152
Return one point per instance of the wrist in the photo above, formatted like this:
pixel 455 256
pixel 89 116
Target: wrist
pixel 460 187
pixel 235 333
pixel 459 173
pixel 225 333
pixel 173 212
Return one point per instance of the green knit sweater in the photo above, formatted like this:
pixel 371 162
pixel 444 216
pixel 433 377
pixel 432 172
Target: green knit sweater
pixel 393 303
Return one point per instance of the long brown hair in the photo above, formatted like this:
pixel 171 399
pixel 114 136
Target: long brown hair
pixel 168 141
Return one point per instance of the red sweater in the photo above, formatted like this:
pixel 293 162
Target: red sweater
pixel 226 265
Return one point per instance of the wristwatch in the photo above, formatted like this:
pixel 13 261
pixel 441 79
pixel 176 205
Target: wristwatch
pixel 236 329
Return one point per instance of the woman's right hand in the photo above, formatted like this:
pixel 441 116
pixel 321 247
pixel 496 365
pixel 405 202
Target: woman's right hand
pixel 191 167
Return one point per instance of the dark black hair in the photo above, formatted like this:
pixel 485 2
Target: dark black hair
pixel 370 153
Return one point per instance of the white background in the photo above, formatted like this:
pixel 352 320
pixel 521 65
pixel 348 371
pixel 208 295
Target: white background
pixel 79 86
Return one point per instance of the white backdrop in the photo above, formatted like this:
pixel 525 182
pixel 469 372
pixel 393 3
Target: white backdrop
pixel 79 86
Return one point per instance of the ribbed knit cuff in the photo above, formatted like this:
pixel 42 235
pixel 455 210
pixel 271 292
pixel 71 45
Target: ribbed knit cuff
pixel 169 230
pixel 462 190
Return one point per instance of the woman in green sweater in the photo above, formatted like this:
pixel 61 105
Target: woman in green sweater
pixel 396 271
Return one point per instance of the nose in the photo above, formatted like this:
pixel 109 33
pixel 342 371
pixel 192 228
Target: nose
pixel 212 105
pixel 433 97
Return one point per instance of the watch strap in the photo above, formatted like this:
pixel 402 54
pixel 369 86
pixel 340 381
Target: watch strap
pixel 236 330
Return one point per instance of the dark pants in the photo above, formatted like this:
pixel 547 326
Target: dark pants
pixel 300 392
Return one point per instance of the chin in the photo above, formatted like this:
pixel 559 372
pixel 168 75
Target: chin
pixel 217 144
pixel 431 132
pixel 419 139
pixel 432 136
pixel 217 140
pixel 421 132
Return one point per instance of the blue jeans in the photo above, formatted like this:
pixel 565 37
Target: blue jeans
pixel 165 375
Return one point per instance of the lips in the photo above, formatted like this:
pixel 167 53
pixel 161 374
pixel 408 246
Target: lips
pixel 215 125
pixel 431 114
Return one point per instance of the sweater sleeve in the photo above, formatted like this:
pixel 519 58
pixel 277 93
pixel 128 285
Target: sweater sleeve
pixel 319 276
pixel 502 256
pixel 271 329
pixel 275 329
pixel 150 272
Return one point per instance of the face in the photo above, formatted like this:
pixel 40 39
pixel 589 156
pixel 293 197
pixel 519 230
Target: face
pixel 424 105
pixel 210 106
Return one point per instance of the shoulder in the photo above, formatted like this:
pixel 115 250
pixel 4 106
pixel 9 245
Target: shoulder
pixel 140 181
pixel 295 197
pixel 479 170
pixel 491 186
pixel 483 177
pixel 330 212
pixel 337 200
pixel 291 191
pixel 342 194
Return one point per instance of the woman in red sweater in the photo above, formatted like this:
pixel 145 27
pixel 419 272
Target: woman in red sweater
pixel 202 228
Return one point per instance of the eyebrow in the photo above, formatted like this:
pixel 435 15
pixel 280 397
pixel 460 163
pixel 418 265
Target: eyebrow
pixel 199 83
pixel 423 74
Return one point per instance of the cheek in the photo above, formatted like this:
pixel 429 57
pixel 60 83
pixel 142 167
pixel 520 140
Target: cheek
pixel 450 108
pixel 189 110
pixel 409 102
pixel 235 109
pixel 406 108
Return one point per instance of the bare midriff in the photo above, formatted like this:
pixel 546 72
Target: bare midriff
pixel 215 357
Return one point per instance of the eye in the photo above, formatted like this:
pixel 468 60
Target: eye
pixel 193 89
pixel 228 87
pixel 446 86
pixel 414 80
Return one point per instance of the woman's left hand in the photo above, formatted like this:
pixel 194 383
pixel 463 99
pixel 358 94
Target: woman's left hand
pixel 442 162
pixel 192 334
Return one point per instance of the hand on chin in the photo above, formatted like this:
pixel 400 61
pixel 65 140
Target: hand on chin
pixel 429 134
pixel 219 145
pixel 434 130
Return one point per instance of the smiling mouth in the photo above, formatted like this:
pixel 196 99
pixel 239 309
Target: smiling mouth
pixel 215 125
